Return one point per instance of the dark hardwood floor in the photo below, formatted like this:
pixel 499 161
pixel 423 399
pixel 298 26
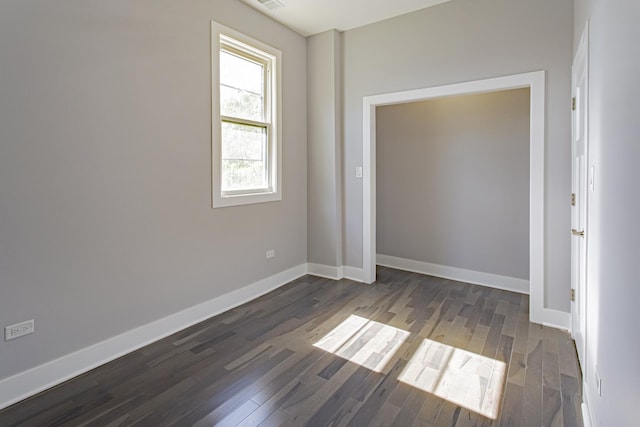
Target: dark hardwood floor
pixel 410 350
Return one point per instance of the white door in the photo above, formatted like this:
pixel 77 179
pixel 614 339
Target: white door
pixel 579 188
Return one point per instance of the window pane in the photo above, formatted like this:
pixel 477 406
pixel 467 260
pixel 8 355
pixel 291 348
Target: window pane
pixel 244 160
pixel 241 87
pixel 241 104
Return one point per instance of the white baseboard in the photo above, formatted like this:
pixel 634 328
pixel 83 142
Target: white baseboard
pixel 353 273
pixel 588 417
pixel 326 271
pixel 336 273
pixel 556 319
pixel 25 384
pixel 468 276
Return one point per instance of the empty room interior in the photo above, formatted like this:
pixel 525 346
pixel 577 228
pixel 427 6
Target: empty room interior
pixel 265 213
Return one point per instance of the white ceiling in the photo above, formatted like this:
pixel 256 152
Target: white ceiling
pixel 309 17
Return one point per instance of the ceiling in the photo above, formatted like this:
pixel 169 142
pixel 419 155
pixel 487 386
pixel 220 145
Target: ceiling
pixel 309 17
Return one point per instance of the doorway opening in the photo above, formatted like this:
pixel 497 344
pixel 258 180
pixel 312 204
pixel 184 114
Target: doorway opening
pixel 453 188
pixel 535 81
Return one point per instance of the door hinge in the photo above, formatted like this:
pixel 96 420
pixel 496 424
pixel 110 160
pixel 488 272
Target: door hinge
pixel 573 295
pixel 573 103
pixel 573 199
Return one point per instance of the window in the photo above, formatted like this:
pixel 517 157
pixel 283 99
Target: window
pixel 246 166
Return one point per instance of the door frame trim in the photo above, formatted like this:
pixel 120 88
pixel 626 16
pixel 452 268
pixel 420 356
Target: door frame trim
pixel 536 82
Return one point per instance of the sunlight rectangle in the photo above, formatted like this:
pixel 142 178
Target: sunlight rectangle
pixel 458 376
pixel 366 342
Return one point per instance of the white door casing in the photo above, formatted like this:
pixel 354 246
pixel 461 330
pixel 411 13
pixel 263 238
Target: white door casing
pixel 536 82
pixel 579 189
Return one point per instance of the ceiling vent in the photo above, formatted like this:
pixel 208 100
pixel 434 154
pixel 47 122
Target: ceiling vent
pixel 271 4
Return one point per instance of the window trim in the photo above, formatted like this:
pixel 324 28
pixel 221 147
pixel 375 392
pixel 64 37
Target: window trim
pixel 222 35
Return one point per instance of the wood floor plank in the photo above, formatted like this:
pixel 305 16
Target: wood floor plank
pixel 378 398
pixel 385 416
pixel 263 363
pixel 277 419
pixel 233 419
pixel 522 332
pixel 493 339
pixel 552 415
pixel 428 415
pixel 272 405
pixel 449 415
pixel 517 369
pixel 532 405
pixel 512 405
pixel 317 393
pixel 410 408
pixel 570 396
pixel 511 319
pixel 551 370
pixel 289 373
pixel 109 413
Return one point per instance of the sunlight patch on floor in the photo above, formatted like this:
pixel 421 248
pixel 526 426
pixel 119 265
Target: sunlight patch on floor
pixel 463 378
pixel 366 342
pixel 458 376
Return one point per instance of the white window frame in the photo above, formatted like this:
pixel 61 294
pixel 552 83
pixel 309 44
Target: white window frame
pixel 222 36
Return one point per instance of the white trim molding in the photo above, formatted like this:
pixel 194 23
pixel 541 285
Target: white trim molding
pixel 335 273
pixel 25 384
pixel 589 418
pixel 353 273
pixel 586 415
pixel 533 80
pixel 326 271
pixel 556 319
pixel 512 284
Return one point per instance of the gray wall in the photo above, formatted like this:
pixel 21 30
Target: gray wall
pixel 324 121
pixel 105 194
pixel 612 341
pixel 461 41
pixel 453 182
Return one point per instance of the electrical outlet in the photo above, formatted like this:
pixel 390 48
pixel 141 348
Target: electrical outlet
pixel 358 171
pixel 271 253
pixel 19 329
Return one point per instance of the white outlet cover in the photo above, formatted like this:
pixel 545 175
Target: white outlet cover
pixel 19 329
